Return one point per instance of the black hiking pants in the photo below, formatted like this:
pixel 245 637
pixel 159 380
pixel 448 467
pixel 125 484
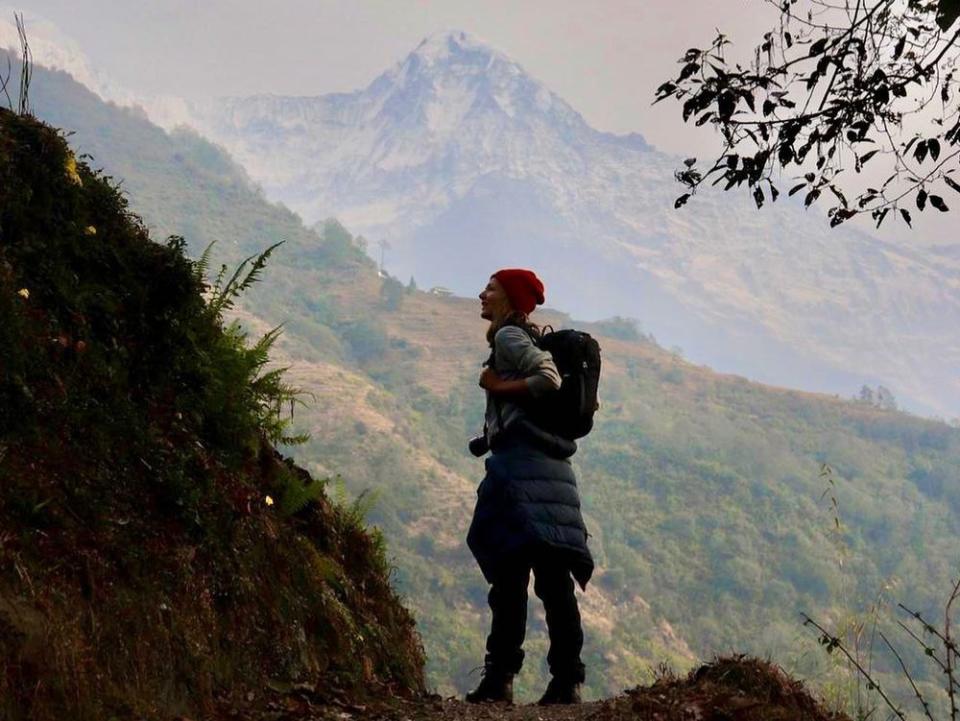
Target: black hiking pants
pixel 508 602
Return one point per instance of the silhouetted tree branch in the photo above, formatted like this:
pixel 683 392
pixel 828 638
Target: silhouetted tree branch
pixel 835 85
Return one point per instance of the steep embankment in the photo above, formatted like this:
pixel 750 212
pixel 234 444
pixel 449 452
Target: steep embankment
pixel 157 555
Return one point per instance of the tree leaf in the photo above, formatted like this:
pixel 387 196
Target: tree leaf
pixel 690 162
pixel 688 70
pixel 682 200
pixel 951 182
pixel 797 188
pixel 906 216
pixel 933 145
pixel 758 196
pixel 840 196
pixel 726 104
pixel 921 199
pixel 839 217
pixel 664 92
pixel 947 13
pixel 819 46
pixel 937 202
pixel 898 50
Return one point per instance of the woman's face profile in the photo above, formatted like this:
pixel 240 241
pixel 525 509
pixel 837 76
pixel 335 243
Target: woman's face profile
pixel 494 303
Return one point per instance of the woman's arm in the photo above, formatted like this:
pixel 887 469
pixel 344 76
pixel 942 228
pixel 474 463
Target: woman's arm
pixel 491 382
pixel 515 349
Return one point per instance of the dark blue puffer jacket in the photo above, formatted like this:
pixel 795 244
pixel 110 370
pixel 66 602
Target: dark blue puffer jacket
pixel 528 507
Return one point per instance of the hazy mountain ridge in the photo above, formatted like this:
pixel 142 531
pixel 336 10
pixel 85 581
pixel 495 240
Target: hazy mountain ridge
pixel 463 162
pixel 700 489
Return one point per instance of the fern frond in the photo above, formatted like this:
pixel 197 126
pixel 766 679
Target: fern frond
pixel 296 440
pixel 339 491
pixel 362 505
pixel 298 494
pixel 223 297
pixel 263 346
pixel 258 265
pixel 219 280
pixel 200 267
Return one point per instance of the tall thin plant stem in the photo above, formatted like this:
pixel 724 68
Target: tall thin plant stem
pixel 832 642
pixel 26 67
pixel 951 650
pixel 906 672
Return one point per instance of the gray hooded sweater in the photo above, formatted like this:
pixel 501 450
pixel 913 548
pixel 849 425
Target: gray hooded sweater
pixel 517 357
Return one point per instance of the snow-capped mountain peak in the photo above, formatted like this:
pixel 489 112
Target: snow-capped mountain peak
pixel 455 46
pixel 451 75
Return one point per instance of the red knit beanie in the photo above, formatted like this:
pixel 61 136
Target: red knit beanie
pixel 522 287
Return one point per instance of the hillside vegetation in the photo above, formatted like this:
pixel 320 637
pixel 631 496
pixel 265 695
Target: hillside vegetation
pixel 158 556
pixel 706 495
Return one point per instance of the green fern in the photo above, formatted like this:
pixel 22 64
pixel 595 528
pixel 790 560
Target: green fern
pixel 297 494
pixel 200 266
pixel 339 491
pixel 272 393
pixel 222 297
pixel 354 512
pixel 266 393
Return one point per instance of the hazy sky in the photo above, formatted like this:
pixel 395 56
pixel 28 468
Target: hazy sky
pixel 604 58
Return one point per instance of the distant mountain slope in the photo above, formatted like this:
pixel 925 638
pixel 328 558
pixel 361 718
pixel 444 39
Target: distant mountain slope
pixel 702 491
pixel 462 161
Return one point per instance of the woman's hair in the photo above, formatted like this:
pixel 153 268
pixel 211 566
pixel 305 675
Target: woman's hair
pixel 517 318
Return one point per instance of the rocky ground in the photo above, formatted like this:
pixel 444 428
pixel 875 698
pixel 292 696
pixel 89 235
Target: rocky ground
pixel 728 689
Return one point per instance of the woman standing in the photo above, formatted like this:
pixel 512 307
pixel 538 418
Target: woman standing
pixel 527 515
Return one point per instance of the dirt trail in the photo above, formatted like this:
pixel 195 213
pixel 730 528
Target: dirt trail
pixel 728 689
pixel 456 710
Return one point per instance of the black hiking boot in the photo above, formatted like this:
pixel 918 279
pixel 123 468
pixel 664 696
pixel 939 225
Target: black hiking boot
pixel 560 691
pixel 495 687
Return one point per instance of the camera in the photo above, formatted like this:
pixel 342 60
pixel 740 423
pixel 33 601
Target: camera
pixel 478 445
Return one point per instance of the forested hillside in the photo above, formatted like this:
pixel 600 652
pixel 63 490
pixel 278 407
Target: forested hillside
pixel 706 495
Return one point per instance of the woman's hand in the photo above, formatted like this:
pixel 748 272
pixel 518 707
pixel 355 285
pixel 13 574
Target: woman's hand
pixel 494 384
pixel 489 380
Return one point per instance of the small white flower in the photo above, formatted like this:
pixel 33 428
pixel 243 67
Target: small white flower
pixel 268 501
pixel 23 293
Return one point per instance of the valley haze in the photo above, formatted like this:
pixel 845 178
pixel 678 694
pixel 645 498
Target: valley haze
pixel 460 160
